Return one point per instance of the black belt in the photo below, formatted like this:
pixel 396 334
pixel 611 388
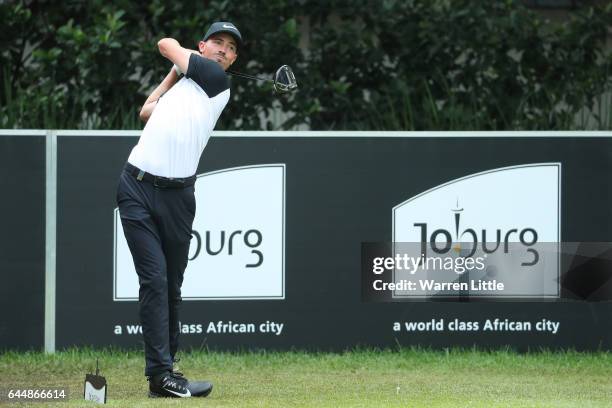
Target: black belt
pixel 158 181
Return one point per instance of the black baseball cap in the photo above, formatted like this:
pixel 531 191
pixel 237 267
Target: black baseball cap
pixel 224 27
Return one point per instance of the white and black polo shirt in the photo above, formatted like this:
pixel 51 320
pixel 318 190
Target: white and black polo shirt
pixel 179 128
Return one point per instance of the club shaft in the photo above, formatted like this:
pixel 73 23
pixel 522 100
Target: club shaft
pixel 250 76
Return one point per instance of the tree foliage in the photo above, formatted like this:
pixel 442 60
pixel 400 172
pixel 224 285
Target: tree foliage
pixel 360 64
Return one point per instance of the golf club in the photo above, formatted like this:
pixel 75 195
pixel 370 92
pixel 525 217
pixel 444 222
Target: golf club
pixel 284 79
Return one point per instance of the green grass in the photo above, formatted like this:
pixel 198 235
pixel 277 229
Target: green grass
pixel 362 378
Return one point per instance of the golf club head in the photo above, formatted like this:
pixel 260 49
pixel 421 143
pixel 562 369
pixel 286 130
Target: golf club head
pixel 284 80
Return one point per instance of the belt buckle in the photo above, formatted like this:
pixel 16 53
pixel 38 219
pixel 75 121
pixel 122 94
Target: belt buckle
pixel 168 182
pixel 177 183
pixel 160 182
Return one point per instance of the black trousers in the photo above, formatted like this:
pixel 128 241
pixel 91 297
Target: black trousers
pixel 157 223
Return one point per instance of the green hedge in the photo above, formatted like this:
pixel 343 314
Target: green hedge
pixel 385 64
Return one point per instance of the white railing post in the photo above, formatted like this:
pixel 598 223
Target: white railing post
pixel 50 238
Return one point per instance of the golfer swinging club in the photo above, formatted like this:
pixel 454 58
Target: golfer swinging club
pixel 156 198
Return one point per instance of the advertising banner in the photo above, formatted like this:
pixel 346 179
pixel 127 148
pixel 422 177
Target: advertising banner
pixel 504 238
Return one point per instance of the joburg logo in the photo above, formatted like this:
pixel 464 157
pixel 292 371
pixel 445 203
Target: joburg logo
pixel 509 217
pixel 237 249
pixel 468 241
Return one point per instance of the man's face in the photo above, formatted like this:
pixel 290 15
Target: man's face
pixel 220 47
